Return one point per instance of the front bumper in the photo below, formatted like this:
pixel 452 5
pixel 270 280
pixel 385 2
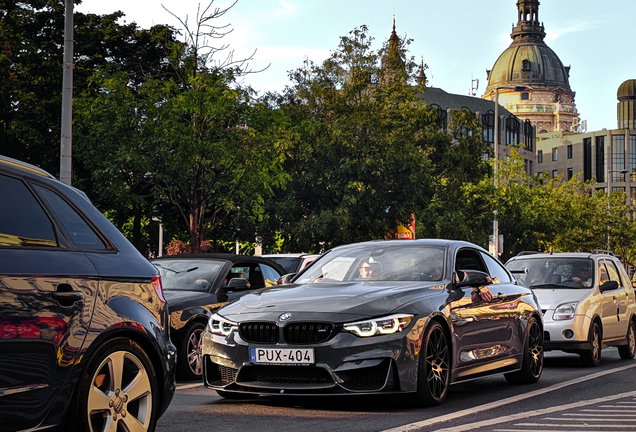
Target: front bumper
pixel 345 364
pixel 557 333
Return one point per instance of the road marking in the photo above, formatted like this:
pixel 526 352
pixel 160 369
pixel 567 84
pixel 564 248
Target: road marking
pixel 513 399
pixel 188 386
pixel 570 425
pixel 595 418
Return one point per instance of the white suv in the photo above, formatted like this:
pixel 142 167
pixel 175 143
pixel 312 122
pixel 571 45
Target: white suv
pixel 587 301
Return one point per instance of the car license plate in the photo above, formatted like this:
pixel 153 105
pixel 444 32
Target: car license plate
pixel 282 355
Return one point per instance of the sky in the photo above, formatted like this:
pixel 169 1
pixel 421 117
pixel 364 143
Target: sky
pixel 458 39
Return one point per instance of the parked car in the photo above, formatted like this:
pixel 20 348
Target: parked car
pixel 292 262
pixel 196 285
pixel 378 317
pixel 587 301
pixel 84 340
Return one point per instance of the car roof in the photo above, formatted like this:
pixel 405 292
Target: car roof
pixel 588 255
pixel 290 255
pixel 222 256
pixel 23 166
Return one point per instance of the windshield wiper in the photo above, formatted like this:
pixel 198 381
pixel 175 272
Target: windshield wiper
pixel 546 286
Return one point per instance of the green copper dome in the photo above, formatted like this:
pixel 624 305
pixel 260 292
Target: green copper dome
pixel 627 90
pixel 529 64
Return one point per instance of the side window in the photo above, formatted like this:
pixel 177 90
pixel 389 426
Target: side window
pixel 269 274
pixel 468 259
pixel 613 272
pixel 23 221
pixel 497 272
pixel 82 236
pixel 602 273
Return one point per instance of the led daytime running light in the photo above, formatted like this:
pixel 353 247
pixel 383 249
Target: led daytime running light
pixel 380 326
pixel 220 326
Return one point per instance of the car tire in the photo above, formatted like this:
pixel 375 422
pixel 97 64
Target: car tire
pixel 235 396
pixel 189 364
pixel 433 372
pixel 119 384
pixel 628 351
pixel 592 357
pixel 532 364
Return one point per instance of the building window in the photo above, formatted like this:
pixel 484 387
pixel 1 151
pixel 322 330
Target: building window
pixel 530 168
pixel 442 116
pixel 555 173
pixel 555 154
pixel 525 65
pixel 540 156
pixel 587 159
pixel 557 97
pixel 525 96
pixel 632 157
pixel 618 158
pixel 569 151
pixel 512 131
pixel 488 121
pixel 632 196
pixel 528 135
pixel 600 159
pixel 570 173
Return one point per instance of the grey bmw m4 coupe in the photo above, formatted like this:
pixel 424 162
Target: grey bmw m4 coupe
pixel 402 316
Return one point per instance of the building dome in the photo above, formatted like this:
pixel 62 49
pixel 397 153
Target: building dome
pixel 529 64
pixel 627 90
pixel 529 79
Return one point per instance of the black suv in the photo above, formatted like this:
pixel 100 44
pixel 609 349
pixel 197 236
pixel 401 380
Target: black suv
pixel 84 334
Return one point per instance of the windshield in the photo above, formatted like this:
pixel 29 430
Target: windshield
pixel 551 272
pixel 377 262
pixel 187 275
pixel 290 264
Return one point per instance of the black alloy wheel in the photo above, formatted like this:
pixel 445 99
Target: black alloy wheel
pixel 628 351
pixel 434 367
pixel 189 360
pixel 532 365
pixel 592 357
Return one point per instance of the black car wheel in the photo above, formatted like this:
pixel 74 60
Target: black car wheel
pixel 532 365
pixel 593 356
pixel 189 356
pixel 117 391
pixel 628 351
pixel 434 367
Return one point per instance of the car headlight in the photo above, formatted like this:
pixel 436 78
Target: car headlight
pixel 565 311
pixel 379 326
pixel 221 326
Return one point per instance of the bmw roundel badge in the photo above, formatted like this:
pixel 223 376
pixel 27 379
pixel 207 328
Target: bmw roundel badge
pixel 284 317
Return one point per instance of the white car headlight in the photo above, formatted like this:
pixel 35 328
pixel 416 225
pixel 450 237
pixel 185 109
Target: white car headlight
pixel 565 311
pixel 221 326
pixel 379 326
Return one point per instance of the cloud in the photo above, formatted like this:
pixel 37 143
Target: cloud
pixel 286 9
pixel 570 27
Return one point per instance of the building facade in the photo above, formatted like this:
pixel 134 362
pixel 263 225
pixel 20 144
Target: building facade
pixel 529 79
pixel 606 156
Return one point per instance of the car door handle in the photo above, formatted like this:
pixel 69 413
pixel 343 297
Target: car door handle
pixel 65 295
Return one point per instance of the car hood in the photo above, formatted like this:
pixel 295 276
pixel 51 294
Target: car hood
pixel 550 298
pixel 178 299
pixel 318 300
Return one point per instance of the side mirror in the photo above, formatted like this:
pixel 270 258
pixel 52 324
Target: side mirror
pixel 472 278
pixel 285 279
pixel 238 284
pixel 608 286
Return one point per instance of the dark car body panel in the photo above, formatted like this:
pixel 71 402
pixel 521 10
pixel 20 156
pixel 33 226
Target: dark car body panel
pixel 58 303
pixel 187 306
pixel 486 337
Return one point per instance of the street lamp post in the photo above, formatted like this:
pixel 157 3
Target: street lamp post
pixel 609 191
pixel 495 223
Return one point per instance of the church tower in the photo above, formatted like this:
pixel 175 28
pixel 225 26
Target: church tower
pixel 529 79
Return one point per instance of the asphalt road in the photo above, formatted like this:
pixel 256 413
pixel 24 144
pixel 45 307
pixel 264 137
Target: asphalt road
pixel 569 397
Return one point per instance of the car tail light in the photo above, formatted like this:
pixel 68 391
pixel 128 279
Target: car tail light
pixel 156 284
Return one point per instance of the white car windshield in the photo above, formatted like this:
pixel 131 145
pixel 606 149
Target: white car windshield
pixel 551 272
pixel 376 262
